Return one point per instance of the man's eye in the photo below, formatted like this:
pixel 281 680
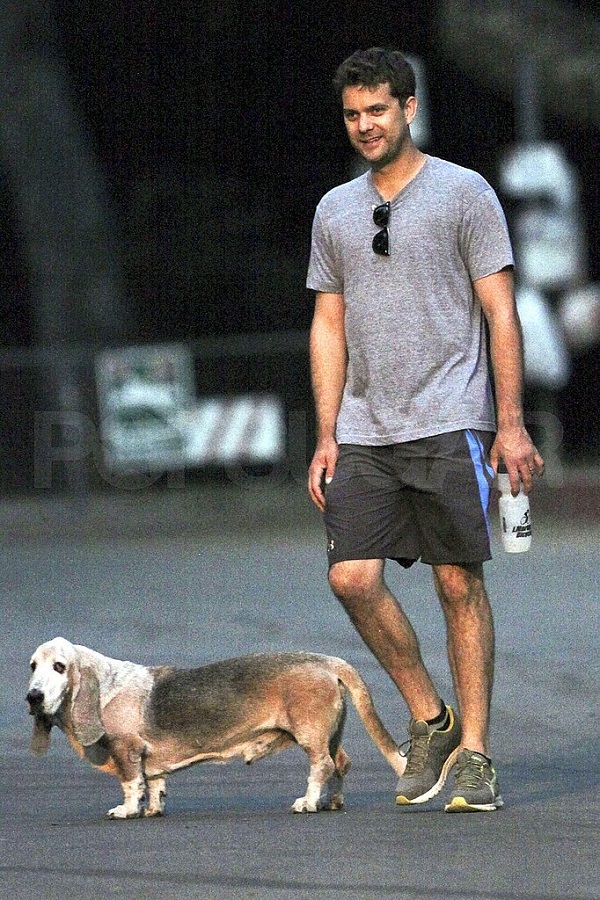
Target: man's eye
pixel 59 667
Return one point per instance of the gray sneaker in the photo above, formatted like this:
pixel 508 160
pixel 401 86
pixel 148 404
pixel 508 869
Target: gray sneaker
pixel 477 788
pixel 431 755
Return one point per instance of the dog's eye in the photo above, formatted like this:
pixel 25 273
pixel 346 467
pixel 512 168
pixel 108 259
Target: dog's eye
pixel 33 665
pixel 59 667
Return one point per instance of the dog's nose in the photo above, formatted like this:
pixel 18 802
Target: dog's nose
pixel 35 697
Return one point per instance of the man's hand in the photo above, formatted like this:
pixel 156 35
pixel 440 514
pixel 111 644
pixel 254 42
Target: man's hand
pixel 514 447
pixel 321 470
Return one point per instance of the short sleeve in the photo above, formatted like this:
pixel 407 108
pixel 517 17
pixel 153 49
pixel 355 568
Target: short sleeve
pixel 324 269
pixel 484 237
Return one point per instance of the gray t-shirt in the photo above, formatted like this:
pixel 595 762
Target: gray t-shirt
pixel 417 360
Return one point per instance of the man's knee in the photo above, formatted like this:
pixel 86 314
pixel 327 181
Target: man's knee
pixel 353 580
pixel 460 584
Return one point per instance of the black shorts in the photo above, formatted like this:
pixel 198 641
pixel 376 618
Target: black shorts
pixel 426 499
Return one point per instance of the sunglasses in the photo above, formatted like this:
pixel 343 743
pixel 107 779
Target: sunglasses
pixel 381 241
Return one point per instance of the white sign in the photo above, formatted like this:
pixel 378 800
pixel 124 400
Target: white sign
pixel 549 235
pixel 151 419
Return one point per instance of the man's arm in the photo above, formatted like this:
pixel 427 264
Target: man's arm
pixel 513 444
pixel 328 362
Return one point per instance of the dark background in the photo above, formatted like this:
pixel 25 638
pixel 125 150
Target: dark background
pixel 217 133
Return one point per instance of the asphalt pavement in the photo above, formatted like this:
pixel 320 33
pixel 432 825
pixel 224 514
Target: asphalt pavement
pixel 200 572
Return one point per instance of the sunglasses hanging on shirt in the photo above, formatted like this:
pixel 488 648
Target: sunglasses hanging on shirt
pixel 381 241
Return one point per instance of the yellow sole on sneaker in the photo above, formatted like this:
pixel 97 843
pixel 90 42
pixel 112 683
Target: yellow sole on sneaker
pixel 460 805
pixel 401 800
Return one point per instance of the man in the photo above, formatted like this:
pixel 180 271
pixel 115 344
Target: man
pixel 409 261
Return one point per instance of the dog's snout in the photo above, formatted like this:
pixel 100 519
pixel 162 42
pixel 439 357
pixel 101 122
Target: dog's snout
pixel 35 697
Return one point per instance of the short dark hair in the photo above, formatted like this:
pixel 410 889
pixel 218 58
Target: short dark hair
pixel 370 68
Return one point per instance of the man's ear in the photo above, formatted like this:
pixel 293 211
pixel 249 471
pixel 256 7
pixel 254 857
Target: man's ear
pixel 410 109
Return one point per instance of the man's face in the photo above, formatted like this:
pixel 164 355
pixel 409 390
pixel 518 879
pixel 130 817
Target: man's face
pixel 376 123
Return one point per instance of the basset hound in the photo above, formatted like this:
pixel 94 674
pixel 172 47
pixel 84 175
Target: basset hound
pixel 140 723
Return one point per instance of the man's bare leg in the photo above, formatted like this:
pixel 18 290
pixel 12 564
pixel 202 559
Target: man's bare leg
pixel 383 626
pixel 470 635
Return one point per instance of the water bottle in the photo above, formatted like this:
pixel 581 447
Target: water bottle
pixel 515 517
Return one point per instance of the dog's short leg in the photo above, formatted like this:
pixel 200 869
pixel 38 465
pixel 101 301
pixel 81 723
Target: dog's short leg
pixel 335 786
pixel 134 793
pixel 127 752
pixel 322 768
pixel 156 797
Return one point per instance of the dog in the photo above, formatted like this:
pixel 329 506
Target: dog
pixel 140 723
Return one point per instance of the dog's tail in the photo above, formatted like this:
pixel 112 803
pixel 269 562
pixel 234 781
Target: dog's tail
pixel 363 701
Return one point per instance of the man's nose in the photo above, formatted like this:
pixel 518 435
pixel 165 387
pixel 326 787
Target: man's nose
pixel 365 123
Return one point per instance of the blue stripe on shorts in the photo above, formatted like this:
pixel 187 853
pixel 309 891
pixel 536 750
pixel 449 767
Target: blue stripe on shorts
pixel 483 472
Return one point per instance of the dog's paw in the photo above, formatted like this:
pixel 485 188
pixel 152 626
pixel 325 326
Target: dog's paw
pixel 304 805
pixel 153 813
pixel 334 803
pixel 122 812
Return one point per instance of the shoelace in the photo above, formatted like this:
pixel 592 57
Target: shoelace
pixel 470 774
pixel 416 753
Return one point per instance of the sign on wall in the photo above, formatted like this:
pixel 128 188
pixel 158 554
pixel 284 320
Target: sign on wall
pixel 151 418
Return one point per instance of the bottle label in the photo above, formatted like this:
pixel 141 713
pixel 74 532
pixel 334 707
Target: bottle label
pixel 521 530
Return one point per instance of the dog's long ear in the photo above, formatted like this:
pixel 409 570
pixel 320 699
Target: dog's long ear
pixel 85 706
pixel 40 739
